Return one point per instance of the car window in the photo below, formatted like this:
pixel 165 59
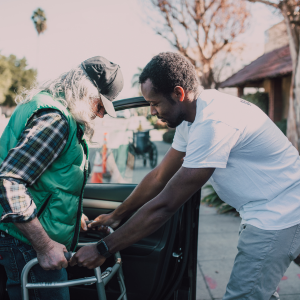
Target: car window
pixel 126 148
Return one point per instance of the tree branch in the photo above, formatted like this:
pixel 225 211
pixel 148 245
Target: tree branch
pixel 209 27
pixel 265 2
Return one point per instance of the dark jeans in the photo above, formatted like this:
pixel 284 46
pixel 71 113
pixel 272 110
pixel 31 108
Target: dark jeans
pixel 14 254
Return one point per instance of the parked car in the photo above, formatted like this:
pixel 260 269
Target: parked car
pixel 159 267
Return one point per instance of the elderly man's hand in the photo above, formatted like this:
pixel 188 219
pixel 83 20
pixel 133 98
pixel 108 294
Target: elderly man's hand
pixel 88 257
pixel 83 227
pixel 52 257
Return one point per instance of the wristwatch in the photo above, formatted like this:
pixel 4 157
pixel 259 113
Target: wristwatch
pixel 103 249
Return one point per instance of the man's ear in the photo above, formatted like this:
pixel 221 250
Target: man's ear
pixel 179 92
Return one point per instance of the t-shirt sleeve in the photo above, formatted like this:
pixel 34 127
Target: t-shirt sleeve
pixel 179 143
pixel 209 145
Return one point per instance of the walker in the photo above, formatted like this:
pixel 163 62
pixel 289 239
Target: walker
pixel 100 279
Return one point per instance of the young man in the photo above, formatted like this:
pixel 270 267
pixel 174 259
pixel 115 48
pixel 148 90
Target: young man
pixel 249 162
pixel 43 171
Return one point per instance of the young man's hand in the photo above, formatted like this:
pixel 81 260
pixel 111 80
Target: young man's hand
pixel 105 220
pixel 52 257
pixel 88 257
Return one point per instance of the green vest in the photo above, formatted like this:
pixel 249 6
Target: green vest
pixel 59 190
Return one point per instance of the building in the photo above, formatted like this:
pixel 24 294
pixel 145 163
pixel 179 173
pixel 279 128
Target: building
pixel 271 71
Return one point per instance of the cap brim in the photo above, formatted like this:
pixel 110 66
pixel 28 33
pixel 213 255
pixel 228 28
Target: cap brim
pixel 109 107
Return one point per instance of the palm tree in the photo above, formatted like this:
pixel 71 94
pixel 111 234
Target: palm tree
pixel 40 23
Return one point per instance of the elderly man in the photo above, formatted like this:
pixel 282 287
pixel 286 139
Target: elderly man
pixel 43 171
pixel 249 162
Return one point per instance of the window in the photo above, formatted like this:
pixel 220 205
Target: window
pixel 125 148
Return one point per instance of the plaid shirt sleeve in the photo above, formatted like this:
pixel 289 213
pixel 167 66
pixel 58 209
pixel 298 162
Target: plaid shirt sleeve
pixel 41 142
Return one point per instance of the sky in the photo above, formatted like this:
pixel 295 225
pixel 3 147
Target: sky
pixel 115 29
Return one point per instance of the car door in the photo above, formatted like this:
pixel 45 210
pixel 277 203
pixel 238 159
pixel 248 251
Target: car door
pixel 163 265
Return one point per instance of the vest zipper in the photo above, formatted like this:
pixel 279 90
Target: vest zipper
pixel 78 219
pixel 44 206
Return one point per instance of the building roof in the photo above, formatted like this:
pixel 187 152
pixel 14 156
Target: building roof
pixel 273 64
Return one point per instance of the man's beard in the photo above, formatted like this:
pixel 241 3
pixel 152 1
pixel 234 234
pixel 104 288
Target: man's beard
pixel 179 119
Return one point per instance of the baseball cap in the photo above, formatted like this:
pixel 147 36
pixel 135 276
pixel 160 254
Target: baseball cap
pixel 108 79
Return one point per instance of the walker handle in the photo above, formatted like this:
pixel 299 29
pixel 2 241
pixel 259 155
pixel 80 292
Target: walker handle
pixel 68 255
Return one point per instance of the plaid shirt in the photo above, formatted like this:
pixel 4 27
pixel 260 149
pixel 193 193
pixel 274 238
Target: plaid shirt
pixel 41 142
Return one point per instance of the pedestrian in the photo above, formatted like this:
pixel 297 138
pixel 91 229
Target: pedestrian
pixel 43 172
pixel 249 161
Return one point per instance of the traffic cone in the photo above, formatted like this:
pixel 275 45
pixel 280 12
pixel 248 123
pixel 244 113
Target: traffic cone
pixel 104 153
pixel 97 170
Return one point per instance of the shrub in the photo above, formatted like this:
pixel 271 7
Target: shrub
pixel 259 99
pixel 169 136
pixel 157 124
pixel 262 101
pixel 282 125
pixel 212 199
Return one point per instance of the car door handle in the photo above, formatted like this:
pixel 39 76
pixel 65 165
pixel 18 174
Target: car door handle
pixel 177 254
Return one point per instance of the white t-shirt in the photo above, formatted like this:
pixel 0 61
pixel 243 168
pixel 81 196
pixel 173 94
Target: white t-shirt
pixel 257 168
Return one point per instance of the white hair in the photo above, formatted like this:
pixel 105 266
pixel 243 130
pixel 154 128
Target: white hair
pixel 75 91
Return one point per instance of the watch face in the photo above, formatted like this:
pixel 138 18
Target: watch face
pixel 103 249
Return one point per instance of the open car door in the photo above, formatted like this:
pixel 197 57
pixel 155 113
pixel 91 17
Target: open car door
pixel 163 265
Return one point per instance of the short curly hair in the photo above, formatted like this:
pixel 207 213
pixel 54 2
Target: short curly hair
pixel 168 70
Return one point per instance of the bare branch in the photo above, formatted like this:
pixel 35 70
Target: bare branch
pixel 166 38
pixel 209 5
pixel 265 2
pixel 209 26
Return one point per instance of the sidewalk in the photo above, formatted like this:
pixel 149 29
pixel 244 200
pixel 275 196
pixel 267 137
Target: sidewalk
pixel 218 237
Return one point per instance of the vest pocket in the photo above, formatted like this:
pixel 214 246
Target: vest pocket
pixel 44 205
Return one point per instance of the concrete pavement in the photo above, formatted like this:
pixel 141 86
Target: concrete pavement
pixel 218 237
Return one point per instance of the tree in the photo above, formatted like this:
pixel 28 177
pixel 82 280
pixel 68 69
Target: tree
pixel 5 79
pixel 40 23
pixel 201 30
pixel 290 10
pixel 14 76
pixel 39 20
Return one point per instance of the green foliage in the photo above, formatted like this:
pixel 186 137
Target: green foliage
pixel 143 111
pixel 282 125
pixel 40 21
pixel 259 99
pixel 157 124
pixel 14 76
pixel 5 79
pixel 152 119
pixel 169 136
pixel 262 101
pixel 212 199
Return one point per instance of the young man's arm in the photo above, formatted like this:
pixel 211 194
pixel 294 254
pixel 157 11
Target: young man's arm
pixel 152 184
pixel 150 216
